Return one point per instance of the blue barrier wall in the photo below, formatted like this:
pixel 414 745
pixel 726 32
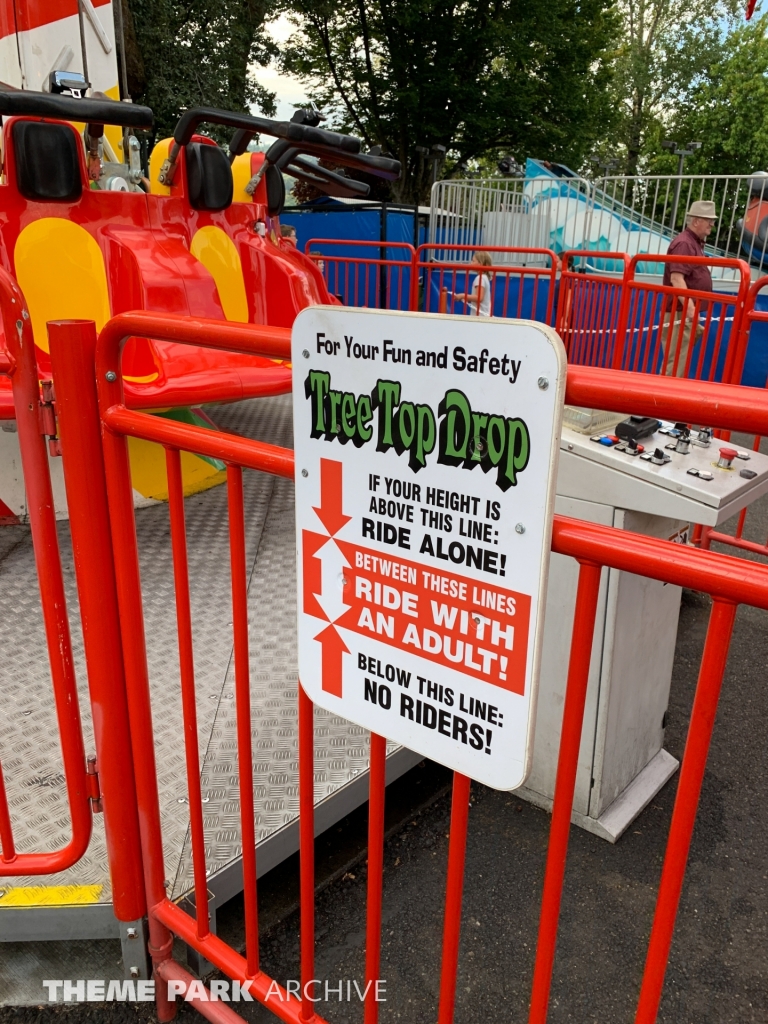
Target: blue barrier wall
pixel 345 222
pixel 353 283
pixel 756 364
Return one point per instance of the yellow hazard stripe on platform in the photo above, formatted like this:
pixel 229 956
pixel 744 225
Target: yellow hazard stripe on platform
pixel 49 895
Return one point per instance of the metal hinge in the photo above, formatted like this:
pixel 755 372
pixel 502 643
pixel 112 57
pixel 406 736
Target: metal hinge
pixel 48 417
pixel 94 789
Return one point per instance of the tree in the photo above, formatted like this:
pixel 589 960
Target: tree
pixel 185 53
pixel 473 76
pixel 727 110
pixel 665 47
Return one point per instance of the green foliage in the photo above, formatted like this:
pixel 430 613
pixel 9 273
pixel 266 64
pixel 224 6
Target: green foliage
pixel 474 76
pixel 185 53
pixel 727 109
pixel 665 46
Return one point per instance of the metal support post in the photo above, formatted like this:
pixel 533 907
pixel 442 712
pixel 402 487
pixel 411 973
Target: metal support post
pixel 120 30
pixel 83 47
pixel 133 942
pixel 196 961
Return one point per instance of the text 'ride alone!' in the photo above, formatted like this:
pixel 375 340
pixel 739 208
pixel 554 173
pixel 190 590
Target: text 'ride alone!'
pixel 425 458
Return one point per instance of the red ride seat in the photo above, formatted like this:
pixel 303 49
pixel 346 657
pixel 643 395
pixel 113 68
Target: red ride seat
pixel 83 253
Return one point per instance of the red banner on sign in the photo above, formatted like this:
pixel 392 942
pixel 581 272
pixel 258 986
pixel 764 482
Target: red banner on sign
pixel 476 628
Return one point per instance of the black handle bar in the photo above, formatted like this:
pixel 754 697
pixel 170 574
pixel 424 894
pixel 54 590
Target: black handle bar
pixel 252 125
pixel 280 153
pixel 380 166
pixel 70 108
pixel 326 180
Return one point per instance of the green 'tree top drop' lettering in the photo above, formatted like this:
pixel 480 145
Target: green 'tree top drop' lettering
pixel 465 437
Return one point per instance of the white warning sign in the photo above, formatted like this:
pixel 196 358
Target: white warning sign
pixel 426 451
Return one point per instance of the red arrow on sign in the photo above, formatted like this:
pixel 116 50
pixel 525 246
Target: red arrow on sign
pixel 330 512
pixel 333 649
pixel 312 571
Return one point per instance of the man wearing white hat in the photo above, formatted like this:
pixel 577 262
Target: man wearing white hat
pixel 682 326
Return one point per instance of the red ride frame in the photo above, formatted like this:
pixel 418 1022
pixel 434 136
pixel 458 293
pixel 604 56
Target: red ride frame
pixel 729 582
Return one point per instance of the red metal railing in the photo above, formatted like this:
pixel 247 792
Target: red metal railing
pixel 588 308
pixel 679 331
pixel 20 366
pixel 605 319
pixel 165 918
pixel 750 316
pixel 368 280
pixel 744 408
pixel 106 781
pixel 608 320
pixel 524 288
pixel 592 545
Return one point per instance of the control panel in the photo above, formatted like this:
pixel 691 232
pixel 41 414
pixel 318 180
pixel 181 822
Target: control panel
pixel 676 470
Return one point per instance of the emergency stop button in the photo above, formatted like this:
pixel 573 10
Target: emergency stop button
pixel 727 455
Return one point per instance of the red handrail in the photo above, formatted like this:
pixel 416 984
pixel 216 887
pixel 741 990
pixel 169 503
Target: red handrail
pixel 362 242
pixel 352 265
pixel 22 369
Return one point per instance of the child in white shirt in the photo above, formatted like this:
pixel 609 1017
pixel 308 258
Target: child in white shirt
pixel 478 300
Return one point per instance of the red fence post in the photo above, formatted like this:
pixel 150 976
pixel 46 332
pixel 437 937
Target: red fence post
pixel 128 582
pixel 748 317
pixel 623 321
pixel 378 773
pixel 414 299
pixel 238 563
pixel 686 805
pixel 73 347
pixel 454 892
pixel 565 784
pixel 307 847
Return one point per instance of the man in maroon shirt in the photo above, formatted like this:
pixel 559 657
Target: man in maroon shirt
pixel 679 330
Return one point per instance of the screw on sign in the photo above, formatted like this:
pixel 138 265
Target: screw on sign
pixel 428 447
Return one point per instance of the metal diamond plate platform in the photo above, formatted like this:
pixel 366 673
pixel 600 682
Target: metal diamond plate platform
pixel 76 903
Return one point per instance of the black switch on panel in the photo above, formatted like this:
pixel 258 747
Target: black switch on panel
pixel 637 427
